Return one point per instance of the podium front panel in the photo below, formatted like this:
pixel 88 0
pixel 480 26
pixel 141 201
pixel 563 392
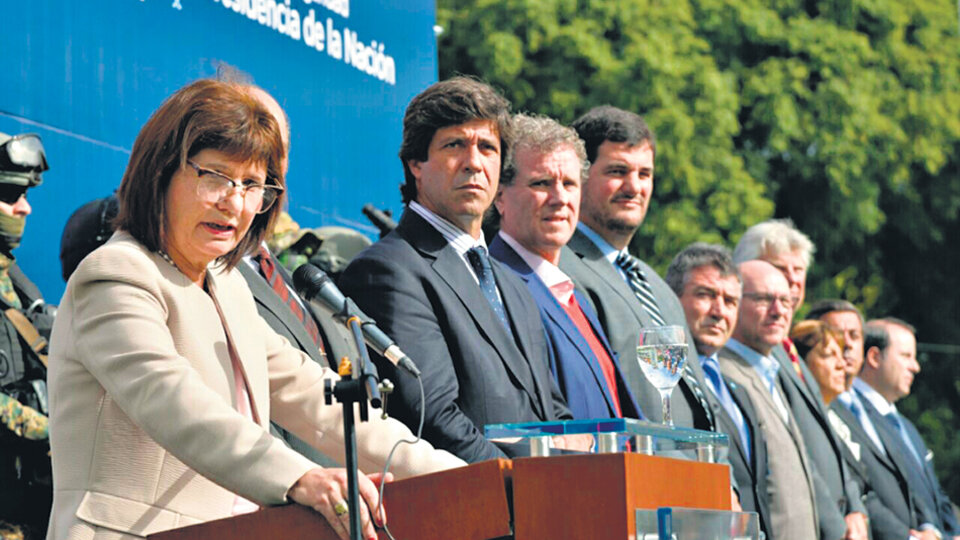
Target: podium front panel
pixel 596 496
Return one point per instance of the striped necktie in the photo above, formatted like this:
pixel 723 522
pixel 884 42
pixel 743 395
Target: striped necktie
pixel 641 287
pixel 644 293
pixel 272 274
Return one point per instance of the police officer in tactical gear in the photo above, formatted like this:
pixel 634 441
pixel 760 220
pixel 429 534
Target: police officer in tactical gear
pixel 25 322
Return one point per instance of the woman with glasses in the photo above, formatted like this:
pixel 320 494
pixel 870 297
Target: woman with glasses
pixel 163 378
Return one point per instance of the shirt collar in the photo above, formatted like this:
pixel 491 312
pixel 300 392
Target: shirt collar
pixel 767 367
pixel 560 284
pixel 454 235
pixel 609 252
pixel 879 402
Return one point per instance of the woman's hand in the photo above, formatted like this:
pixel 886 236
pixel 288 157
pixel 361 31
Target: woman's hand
pixel 325 490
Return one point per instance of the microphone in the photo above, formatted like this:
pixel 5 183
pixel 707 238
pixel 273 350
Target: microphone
pixel 314 285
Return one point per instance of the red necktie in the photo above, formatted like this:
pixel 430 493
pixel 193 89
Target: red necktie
pixel 794 356
pixel 273 277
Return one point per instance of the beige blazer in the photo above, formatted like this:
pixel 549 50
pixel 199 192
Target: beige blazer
pixel 143 430
pixel 790 491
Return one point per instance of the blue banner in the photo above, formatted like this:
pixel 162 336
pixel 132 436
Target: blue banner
pixel 87 75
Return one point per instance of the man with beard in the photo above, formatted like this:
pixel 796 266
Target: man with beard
pixel 625 292
pixel 890 365
pixel 25 489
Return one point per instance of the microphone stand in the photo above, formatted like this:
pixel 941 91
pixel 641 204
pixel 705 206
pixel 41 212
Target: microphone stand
pixel 358 384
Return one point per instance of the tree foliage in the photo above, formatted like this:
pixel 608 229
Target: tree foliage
pixel 843 115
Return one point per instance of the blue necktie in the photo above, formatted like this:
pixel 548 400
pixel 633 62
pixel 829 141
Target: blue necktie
pixel 481 265
pixel 894 418
pixel 716 383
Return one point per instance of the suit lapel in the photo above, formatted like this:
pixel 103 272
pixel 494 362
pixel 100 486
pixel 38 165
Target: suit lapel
pixel 238 337
pixel 890 439
pixel 553 310
pixel 265 296
pixel 454 272
pixel 740 397
pixel 593 259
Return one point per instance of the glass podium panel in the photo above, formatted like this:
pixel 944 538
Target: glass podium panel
pixel 694 524
pixel 609 435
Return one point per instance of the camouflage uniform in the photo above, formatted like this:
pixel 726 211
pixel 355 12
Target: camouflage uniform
pixel 25 476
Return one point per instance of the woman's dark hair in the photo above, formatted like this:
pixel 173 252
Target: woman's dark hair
pixel 206 114
pixel 810 335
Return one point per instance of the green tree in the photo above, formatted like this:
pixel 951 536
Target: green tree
pixel 843 115
pixel 560 58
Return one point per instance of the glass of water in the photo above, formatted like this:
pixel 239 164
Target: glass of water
pixel 662 353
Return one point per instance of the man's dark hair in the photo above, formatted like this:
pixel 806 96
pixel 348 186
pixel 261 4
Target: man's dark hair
pixel 696 255
pixel 877 332
pixel 608 123
pixel 823 307
pixel 449 103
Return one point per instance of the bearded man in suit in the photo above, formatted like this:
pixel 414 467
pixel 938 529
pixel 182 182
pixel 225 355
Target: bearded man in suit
pixel 890 365
pixel 625 292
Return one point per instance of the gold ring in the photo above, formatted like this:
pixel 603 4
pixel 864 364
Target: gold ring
pixel 340 508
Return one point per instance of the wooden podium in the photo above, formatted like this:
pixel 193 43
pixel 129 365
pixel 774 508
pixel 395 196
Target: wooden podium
pixel 574 496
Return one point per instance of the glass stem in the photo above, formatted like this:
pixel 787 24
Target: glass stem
pixel 665 400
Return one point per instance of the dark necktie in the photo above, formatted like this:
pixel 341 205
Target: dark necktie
pixel 279 286
pixel 481 266
pixel 644 293
pixel 641 287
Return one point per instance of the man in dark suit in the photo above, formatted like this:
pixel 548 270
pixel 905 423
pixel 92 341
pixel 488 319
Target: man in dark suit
pixel 888 370
pixel 538 203
pixel 624 291
pixel 891 505
pixel 840 506
pixel 708 285
pixel 467 321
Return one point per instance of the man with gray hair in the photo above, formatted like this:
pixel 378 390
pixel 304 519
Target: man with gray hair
pixel 840 510
pixel 538 204
pixel 708 285
pixel 778 242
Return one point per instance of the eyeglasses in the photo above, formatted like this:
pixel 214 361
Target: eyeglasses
pixel 214 186
pixel 11 193
pixel 23 154
pixel 767 300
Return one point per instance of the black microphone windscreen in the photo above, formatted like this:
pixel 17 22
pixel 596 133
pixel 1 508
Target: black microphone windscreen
pixel 308 280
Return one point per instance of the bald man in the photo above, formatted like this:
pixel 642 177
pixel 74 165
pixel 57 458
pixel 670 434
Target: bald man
pixel 746 360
